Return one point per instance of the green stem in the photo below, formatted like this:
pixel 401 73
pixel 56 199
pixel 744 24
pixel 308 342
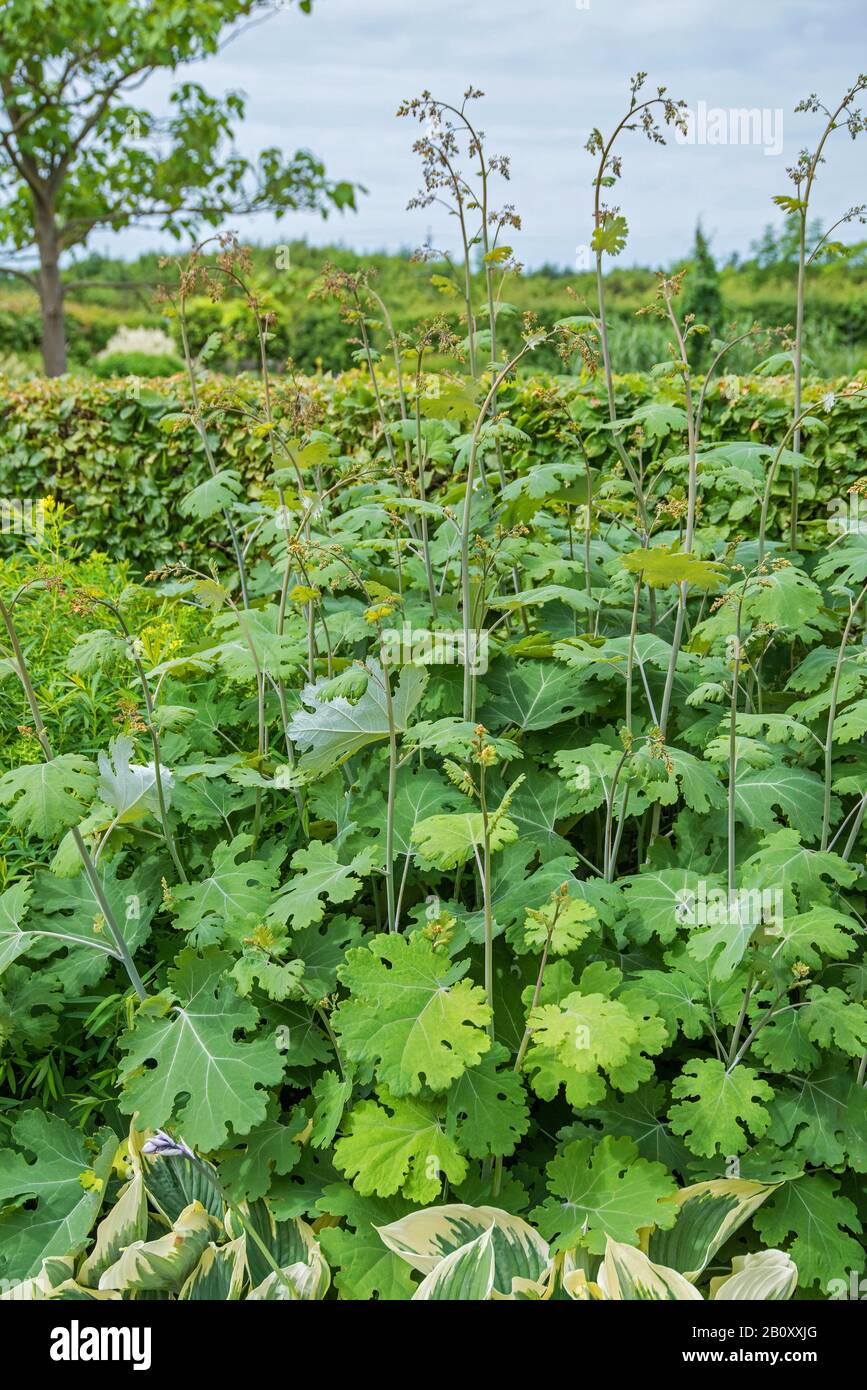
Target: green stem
pixel 469 679
pixel 392 792
pixel 832 714
pixel 733 1050
pixel 486 896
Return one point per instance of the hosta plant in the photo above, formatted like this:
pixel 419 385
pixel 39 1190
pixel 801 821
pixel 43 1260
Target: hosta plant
pixel 483 1253
pixel 171 1234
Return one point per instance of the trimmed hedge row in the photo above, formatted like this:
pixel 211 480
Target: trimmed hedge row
pixel 103 451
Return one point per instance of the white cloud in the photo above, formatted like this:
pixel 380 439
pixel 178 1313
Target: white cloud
pixel 550 70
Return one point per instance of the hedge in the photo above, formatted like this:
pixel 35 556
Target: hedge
pixel 102 450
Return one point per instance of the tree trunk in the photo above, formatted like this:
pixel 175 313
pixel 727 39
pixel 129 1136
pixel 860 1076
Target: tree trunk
pixel 50 293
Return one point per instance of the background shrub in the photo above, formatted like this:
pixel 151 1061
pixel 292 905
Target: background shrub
pixel 107 452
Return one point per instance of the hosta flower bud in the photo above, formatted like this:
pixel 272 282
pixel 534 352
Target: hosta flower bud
pixel 162 1145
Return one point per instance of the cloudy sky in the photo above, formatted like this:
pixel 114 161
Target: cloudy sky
pixel 550 70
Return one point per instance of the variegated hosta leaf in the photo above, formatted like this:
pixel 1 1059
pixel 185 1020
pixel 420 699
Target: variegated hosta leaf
pixel 767 1274
pixel 57 1273
pixel 580 1289
pixel 709 1212
pixel 292 1246
pixel 425 1239
pixel 305 1282
pixel 125 1224
pixel 173 1183
pixel 165 1263
pixel 58 1268
pixel 627 1274
pixel 72 1291
pixel 529 1290
pixel 220 1274
pixel 575 1277
pixel 465 1276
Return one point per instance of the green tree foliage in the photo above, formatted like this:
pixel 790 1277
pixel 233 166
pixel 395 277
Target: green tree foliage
pixel 79 152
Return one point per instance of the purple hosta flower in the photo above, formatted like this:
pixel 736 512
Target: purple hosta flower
pixel 162 1145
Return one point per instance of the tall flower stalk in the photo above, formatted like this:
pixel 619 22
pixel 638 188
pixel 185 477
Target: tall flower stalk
pixel 803 175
